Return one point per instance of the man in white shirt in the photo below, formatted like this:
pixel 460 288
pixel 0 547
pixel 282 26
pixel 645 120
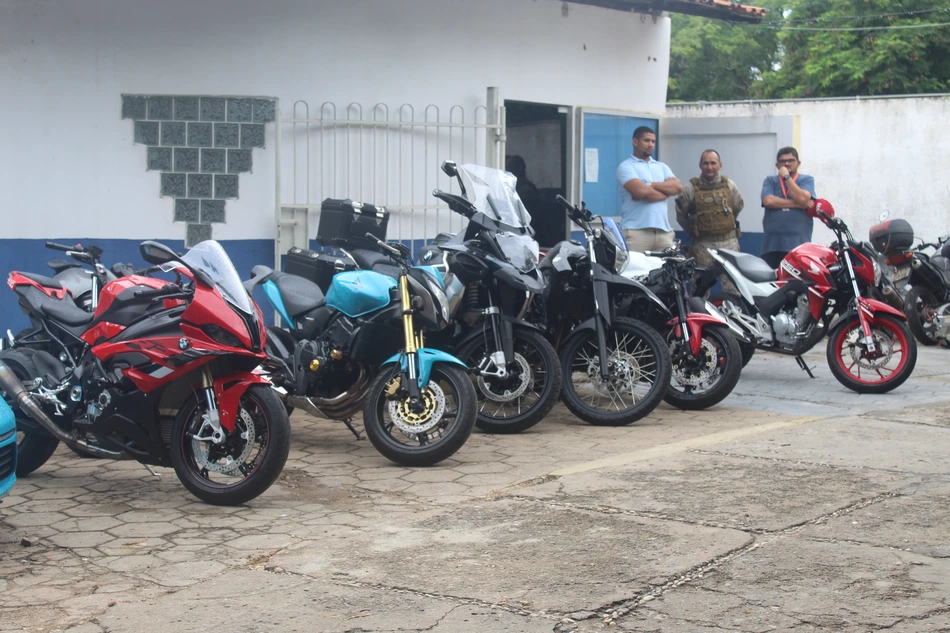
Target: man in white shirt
pixel 645 185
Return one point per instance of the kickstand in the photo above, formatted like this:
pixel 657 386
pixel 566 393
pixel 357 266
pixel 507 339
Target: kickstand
pixel 349 425
pixel 149 469
pixel 801 363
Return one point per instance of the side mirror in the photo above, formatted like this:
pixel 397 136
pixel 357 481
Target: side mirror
pixel 450 168
pixel 157 254
pixel 884 215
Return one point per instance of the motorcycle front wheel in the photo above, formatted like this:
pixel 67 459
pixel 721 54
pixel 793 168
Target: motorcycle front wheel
pixel 428 434
pixel 34 444
pixel 519 401
pixel 862 371
pixel 639 364
pixel 249 459
pixel 700 381
pixel 920 307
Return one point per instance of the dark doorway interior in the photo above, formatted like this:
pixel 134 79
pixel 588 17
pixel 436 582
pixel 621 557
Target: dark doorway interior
pixel 537 132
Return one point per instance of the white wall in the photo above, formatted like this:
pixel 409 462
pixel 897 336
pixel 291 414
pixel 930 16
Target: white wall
pixel 68 165
pixel 867 156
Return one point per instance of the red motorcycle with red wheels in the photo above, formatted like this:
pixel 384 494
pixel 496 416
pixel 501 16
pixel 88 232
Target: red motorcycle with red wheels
pixel 817 290
pixel 165 376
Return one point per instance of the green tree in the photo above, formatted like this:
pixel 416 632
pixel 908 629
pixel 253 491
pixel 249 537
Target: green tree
pixel 891 59
pixel 712 60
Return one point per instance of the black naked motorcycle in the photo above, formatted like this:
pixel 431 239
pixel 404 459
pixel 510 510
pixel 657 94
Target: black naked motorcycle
pixel 707 359
pixel 491 266
pixel 616 368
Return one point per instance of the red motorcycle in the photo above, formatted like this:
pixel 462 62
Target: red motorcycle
pixel 817 290
pixel 165 376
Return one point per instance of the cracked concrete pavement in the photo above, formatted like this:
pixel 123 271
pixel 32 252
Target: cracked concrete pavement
pixel 795 505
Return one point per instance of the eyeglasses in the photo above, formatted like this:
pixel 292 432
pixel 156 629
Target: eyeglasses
pixel 787 161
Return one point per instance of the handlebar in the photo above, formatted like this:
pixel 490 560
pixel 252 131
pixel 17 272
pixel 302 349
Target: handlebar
pixel 60 247
pixel 576 213
pixel 166 291
pixel 457 203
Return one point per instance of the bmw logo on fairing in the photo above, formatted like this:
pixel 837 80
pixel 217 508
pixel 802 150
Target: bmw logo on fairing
pixel 183 344
pixel 427 256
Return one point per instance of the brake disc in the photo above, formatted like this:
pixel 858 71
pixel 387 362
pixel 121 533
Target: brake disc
pixel 624 374
pixel 697 371
pixel 228 464
pixel 501 392
pixel 411 422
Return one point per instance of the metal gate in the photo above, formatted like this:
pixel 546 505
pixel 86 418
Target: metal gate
pixel 380 156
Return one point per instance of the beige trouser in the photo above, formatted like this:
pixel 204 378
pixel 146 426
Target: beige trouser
pixel 642 240
pixel 700 248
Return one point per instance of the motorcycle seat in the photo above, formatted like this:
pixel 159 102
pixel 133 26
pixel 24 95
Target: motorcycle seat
pixel 377 262
pixel 46 282
pixel 59 265
pixel 752 267
pixel 62 310
pixel 298 294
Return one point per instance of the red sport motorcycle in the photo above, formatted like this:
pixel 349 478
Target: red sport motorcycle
pixel 165 376
pixel 817 290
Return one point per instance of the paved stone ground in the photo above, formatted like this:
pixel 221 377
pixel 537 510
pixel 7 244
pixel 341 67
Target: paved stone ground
pixel 796 505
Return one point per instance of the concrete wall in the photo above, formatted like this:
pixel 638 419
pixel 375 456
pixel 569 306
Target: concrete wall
pixel 867 156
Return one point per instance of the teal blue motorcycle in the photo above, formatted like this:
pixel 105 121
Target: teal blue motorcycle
pixel 361 346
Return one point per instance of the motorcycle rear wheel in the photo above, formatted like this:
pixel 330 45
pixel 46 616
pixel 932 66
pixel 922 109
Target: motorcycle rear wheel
pixel 920 306
pixel 248 461
pixel 701 381
pixel 423 438
pixel 747 349
pixel 34 444
pixel 517 403
pixel 640 363
pixel 853 368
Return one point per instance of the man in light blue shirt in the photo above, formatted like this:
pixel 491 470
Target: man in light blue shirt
pixel 645 185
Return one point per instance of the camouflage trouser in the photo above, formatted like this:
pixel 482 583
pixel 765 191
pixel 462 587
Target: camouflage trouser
pixel 699 250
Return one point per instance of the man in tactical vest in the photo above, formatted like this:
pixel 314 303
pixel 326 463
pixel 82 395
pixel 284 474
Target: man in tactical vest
pixel 707 210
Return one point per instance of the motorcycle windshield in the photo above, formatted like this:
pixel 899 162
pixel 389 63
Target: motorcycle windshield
pixel 210 257
pixel 493 192
pixel 613 230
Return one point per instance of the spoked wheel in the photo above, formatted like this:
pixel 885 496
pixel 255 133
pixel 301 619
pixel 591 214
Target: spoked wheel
pixel 887 367
pixel 733 301
pixel 639 365
pixel 521 399
pixel 920 307
pixel 700 381
pixel 249 459
pixel 428 433
pixel 34 444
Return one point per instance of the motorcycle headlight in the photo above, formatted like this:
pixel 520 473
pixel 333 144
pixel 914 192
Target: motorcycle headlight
pixel 620 259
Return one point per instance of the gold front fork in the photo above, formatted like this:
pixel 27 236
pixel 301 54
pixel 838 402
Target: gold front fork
pixel 408 328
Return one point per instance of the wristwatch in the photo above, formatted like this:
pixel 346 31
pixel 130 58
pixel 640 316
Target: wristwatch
pixel 786 177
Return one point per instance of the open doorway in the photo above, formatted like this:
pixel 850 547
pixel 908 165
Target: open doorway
pixel 537 132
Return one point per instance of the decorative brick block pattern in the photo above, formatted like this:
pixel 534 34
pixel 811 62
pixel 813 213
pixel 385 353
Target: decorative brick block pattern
pixel 200 185
pixel 186 159
pixel 200 144
pixel 175 185
pixel 187 210
pixel 186 108
pixel 197 233
pixel 200 134
pixel 160 108
pixel 227 135
pixel 134 107
pixel 239 161
pixel 146 133
pixel 264 111
pixel 213 108
pixel 240 110
pixel 225 187
pixel 173 133
pixel 160 159
pixel 252 135
pixel 214 161
pixel 212 211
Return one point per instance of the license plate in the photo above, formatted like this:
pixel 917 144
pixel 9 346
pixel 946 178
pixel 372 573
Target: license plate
pixel 900 273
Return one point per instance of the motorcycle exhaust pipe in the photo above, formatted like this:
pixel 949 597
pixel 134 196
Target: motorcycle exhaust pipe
pixel 12 385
